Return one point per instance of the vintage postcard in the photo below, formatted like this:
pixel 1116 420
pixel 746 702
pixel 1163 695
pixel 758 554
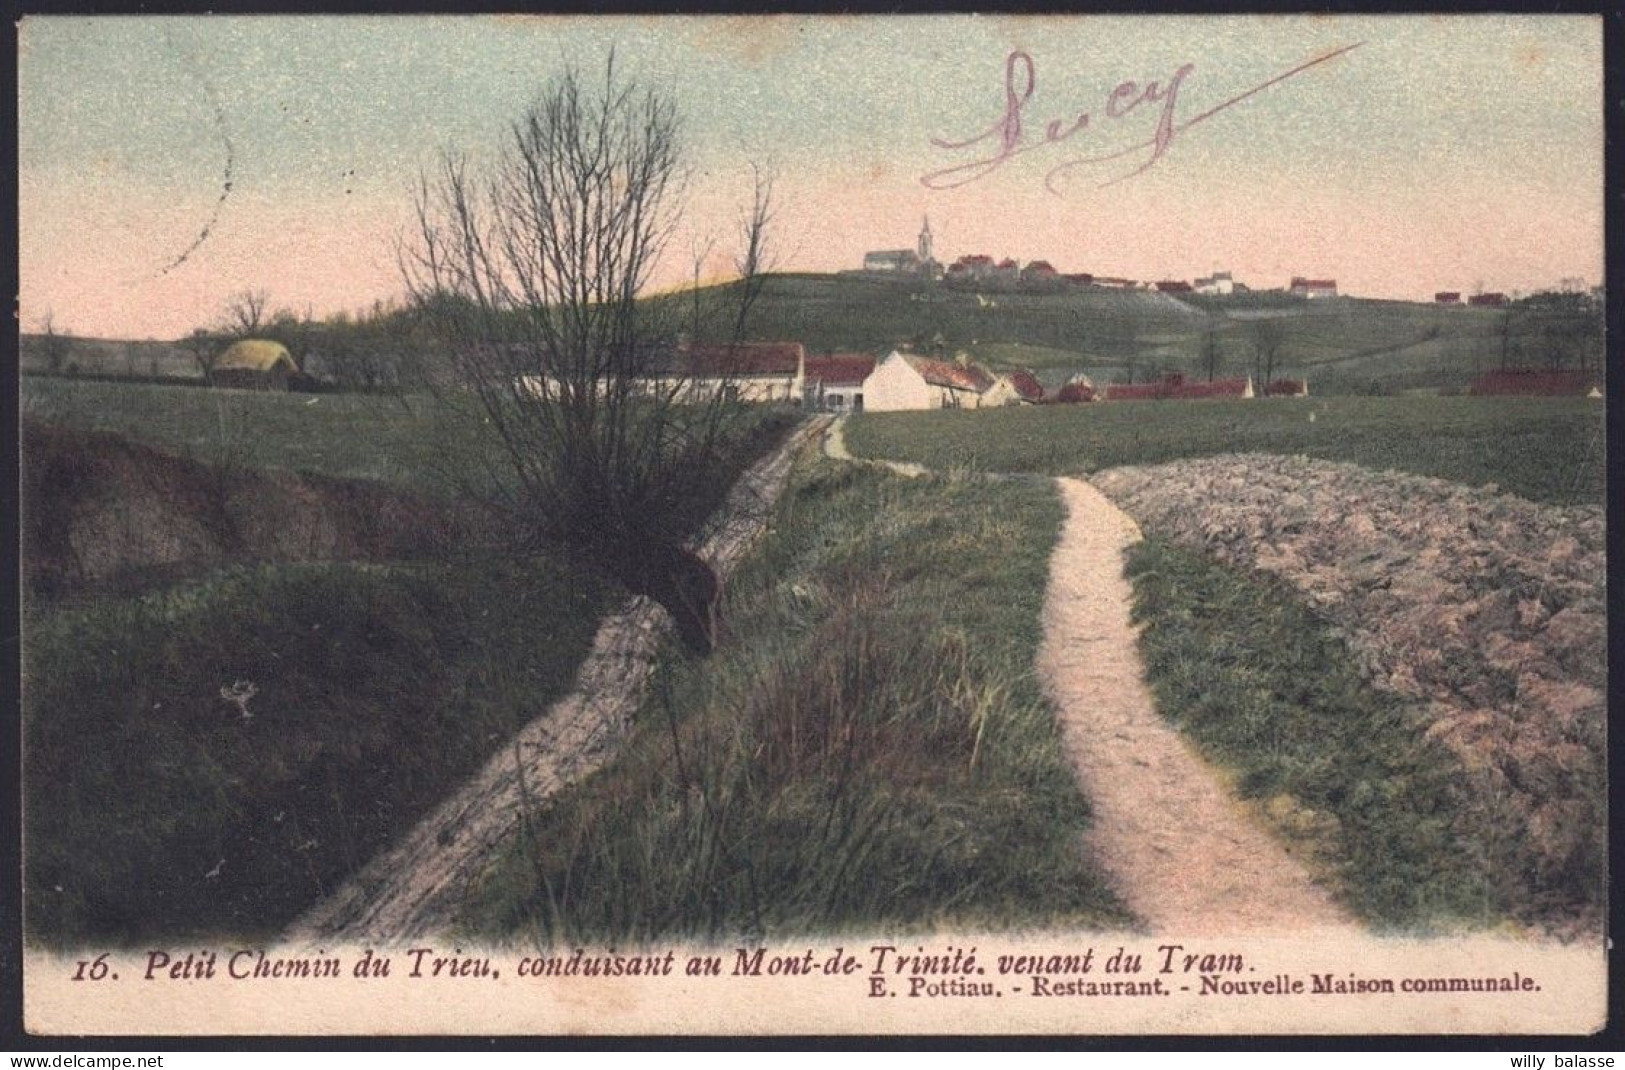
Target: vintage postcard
pixel 810 524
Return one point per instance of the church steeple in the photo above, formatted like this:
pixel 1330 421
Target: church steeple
pixel 925 240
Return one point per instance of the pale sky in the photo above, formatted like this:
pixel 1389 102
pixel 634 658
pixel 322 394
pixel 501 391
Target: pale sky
pixel 1445 152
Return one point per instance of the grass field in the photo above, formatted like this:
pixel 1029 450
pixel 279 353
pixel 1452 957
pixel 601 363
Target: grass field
pixel 1343 772
pixel 870 748
pixel 1546 449
pixel 393 440
pixel 158 809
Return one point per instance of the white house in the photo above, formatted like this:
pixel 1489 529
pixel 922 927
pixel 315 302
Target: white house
pixel 904 381
pixel 747 371
pixel 1013 388
pixel 1220 282
pixel 743 371
pixel 836 382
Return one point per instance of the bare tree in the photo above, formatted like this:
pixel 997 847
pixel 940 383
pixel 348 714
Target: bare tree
pixel 755 258
pixel 54 347
pixel 1210 350
pixel 1269 340
pixel 203 348
pixel 530 266
pixel 245 311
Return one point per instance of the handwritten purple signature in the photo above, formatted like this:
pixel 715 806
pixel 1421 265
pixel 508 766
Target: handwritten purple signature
pixel 1008 135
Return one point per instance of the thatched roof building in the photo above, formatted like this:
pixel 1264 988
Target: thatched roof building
pixel 254 364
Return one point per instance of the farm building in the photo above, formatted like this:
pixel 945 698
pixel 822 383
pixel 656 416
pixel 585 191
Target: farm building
pixel 1220 282
pixel 1078 390
pixel 1534 382
pixel 1312 288
pixel 1175 386
pixel 1447 297
pixel 1014 388
pixel 904 381
pixel 743 371
pixel 752 371
pixel 836 382
pixel 254 364
pixel 1174 286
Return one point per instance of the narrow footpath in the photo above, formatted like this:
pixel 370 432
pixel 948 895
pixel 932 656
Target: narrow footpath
pixel 1183 853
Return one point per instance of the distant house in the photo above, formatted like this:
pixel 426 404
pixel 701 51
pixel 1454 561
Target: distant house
pixel 1447 297
pixel 904 381
pixel 1078 390
pixel 836 382
pixel 1174 286
pixel 1489 300
pixel 1019 387
pixel 747 371
pixel 893 261
pixel 1533 382
pixel 1115 282
pixel 1220 282
pixel 1176 387
pixel 1312 288
pixel 1038 270
pixel 1080 278
pixel 254 364
pixel 742 371
pixel 1007 270
pixel 975 266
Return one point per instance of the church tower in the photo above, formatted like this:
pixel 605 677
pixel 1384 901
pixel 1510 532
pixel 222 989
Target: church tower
pixel 925 241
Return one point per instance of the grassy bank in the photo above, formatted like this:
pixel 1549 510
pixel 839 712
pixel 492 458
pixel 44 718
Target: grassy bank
pixel 1267 692
pixel 1546 449
pixel 158 808
pixel 870 747
pixel 392 440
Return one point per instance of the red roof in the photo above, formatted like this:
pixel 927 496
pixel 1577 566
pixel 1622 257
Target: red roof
pixel 742 359
pixel 1008 263
pixel 1027 385
pixel 1175 386
pixel 954 376
pixel 1533 381
pixel 840 369
pixel 1074 393
pixel 1173 286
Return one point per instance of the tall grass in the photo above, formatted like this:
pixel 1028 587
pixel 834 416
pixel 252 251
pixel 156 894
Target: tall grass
pixel 1266 690
pixel 211 759
pixel 868 748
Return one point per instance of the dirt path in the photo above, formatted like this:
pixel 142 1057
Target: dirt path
pixel 417 886
pixel 1184 855
pixel 835 449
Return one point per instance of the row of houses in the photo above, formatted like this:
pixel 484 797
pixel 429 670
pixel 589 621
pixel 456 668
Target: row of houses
pixel 901 381
pixel 1481 300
